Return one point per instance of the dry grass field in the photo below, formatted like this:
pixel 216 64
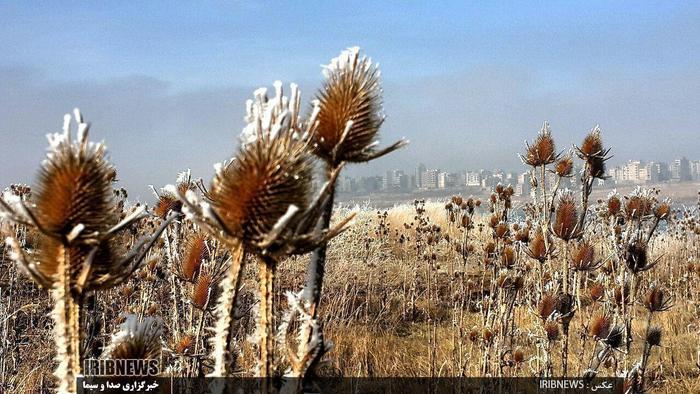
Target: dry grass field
pixel 258 274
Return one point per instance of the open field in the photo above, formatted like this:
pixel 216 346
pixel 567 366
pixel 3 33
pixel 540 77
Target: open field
pixel 681 193
pixel 395 304
pixel 259 274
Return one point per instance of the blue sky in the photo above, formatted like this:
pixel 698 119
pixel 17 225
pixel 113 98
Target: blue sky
pixel 164 83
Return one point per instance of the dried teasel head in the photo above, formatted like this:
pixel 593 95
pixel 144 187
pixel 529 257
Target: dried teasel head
pixel 600 326
pixel 489 248
pixel 597 292
pixel 637 259
pixel 518 356
pixel 565 224
pixel 551 329
pixel 185 345
pixel 638 207
pixel 349 111
pixel 261 200
pixel 474 335
pixel 523 235
pixel 204 291
pixel 583 257
pixel 564 167
pixel 137 339
pixel 662 211
pixel 502 230
pixel 542 151
pixel 658 300
pixel 547 306
pixel 487 335
pixel 594 154
pixel 195 254
pixel 538 247
pixel 615 336
pixel 74 212
pixel 565 307
pixel 613 205
pixel 653 337
pixel 272 171
pixel 167 202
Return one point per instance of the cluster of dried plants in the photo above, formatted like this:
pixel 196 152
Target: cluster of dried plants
pixel 255 272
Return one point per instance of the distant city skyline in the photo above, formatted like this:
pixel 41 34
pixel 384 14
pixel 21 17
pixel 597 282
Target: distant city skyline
pixel 165 84
pixel 424 177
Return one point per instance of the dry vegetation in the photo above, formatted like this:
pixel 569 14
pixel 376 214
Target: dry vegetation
pixel 256 274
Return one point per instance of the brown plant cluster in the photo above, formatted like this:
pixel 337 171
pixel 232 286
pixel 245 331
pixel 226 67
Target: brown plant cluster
pixel 259 273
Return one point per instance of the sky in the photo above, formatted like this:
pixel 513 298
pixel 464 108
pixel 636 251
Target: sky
pixel 164 83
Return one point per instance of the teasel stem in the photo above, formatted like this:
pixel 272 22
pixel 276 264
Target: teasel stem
pixel 565 350
pixel 66 315
pixel 565 274
pixel 225 309
pixel 565 323
pixel 200 327
pixel 646 352
pixel 266 274
pixel 317 265
pixel 544 192
pixel 586 189
pixel 173 286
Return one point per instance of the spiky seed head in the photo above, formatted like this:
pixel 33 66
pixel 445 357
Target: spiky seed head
pixel 564 305
pixel 600 325
pixel 566 218
pixel 542 151
pixel 349 109
pixel 592 144
pixel 195 253
pixel 523 235
pixel 637 259
pixel 551 329
pixel 152 309
pixel 593 152
pixel 613 205
pixel 537 249
pixel 518 356
pixel 597 292
pixel 501 230
pixel 202 291
pixel 654 336
pixel 637 207
pixel 614 339
pixel 127 291
pixel 564 167
pixel 583 257
pixel 167 202
pixel 74 190
pixel 272 171
pixel 489 248
pixel 465 221
pixel 662 211
pixel 185 344
pixel 657 300
pixel 546 306
pixel 137 339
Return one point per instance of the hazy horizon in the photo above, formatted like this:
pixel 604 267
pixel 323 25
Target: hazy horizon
pixel 165 84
